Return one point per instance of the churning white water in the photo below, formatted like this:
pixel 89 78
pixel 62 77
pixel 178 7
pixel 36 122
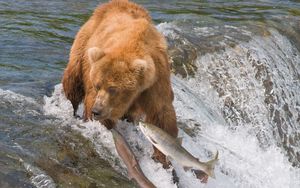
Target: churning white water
pixel 223 107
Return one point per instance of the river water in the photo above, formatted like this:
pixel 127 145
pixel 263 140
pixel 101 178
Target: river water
pixel 236 80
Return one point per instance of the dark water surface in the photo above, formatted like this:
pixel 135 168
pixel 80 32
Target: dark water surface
pixel 245 54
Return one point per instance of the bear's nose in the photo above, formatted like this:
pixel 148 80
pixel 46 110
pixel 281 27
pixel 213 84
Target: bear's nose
pixel 96 112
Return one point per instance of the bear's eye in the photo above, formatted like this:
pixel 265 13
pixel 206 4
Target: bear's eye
pixel 97 87
pixel 112 90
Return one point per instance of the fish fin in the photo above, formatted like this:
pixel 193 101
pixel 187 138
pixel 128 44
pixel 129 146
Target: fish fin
pixel 179 140
pixel 211 166
pixel 186 168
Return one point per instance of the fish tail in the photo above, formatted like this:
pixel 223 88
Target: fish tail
pixel 210 171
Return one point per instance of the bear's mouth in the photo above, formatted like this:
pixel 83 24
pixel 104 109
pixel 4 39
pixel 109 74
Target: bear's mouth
pixel 99 117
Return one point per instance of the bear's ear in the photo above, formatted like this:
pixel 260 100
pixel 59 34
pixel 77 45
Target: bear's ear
pixel 145 68
pixel 94 54
pixel 140 65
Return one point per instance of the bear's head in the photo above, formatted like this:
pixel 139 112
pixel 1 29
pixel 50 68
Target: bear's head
pixel 117 83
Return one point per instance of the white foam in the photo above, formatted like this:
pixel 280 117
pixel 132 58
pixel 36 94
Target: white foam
pixel 57 105
pixel 38 177
pixel 7 95
pixel 22 105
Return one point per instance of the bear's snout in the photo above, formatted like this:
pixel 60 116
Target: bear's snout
pixel 96 112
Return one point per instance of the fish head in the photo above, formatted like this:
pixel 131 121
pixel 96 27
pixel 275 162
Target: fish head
pixel 143 127
pixel 148 130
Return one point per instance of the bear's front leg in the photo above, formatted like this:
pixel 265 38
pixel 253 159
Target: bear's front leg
pixel 164 118
pixel 89 101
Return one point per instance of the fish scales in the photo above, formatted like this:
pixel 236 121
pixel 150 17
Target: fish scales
pixel 172 148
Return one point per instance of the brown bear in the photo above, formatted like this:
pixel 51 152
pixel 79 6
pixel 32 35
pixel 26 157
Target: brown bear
pixel 119 67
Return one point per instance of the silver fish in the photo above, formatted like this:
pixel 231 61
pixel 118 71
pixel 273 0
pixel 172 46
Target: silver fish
pixel 134 170
pixel 172 148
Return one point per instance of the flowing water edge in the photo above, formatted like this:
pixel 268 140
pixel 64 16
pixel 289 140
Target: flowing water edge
pixel 236 83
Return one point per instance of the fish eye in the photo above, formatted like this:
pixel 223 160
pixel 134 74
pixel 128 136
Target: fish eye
pixel 112 90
